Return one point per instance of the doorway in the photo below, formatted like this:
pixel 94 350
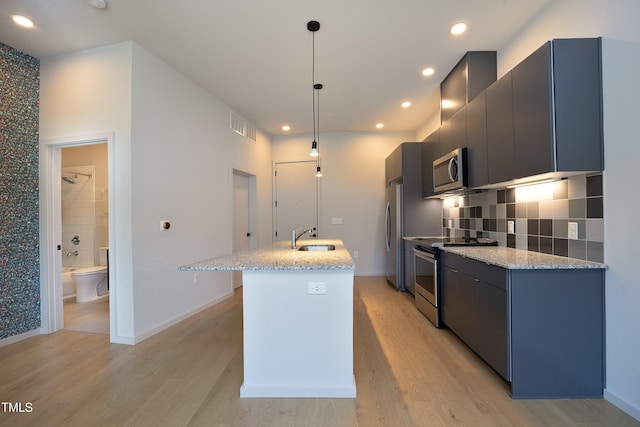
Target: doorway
pixel 296 195
pixel 243 216
pixel 85 238
pixel 90 182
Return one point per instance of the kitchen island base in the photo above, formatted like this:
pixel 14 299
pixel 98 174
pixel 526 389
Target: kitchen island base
pixel 298 334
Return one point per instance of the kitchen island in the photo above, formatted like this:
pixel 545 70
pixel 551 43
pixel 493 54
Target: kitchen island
pixel 297 319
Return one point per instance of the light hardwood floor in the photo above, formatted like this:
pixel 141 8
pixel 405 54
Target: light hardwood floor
pixel 408 373
pixel 92 316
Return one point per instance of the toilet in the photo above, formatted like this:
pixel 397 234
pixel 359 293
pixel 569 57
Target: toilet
pixel 87 280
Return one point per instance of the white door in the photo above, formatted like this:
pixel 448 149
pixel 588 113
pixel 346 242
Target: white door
pixel 296 198
pixel 241 219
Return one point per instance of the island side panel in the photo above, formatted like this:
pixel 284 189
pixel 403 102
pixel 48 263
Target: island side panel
pixel 298 344
pixel 557 333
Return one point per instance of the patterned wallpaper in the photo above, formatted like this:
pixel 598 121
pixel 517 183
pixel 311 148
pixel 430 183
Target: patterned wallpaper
pixel 19 247
pixel 540 215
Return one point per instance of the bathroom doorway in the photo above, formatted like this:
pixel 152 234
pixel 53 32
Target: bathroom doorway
pixel 85 237
pixel 89 244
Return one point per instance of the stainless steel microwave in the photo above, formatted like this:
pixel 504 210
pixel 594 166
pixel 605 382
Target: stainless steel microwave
pixel 449 171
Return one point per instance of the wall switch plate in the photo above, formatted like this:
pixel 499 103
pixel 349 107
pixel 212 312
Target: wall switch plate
pixel 196 278
pixel 317 288
pixel 336 221
pixel 511 227
pixel 355 254
pixel 573 231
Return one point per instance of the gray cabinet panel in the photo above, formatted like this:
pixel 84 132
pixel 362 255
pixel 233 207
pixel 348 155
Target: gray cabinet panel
pixel 474 72
pixel 458 299
pixel 492 343
pixel 429 150
pixel 459 129
pixel 557 333
pixel 500 149
pixel 577 73
pixel 477 170
pixel 532 114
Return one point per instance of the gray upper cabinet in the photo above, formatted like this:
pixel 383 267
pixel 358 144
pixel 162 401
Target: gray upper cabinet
pixel 500 149
pixel 458 130
pixel 430 148
pixel 557 109
pixel 471 75
pixel 393 166
pixel 477 170
pixel 544 116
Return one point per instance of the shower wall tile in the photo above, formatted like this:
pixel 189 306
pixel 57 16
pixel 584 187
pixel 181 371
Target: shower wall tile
pixel 19 221
pixel 541 221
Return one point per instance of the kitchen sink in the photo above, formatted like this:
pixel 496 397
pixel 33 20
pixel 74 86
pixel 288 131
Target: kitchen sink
pixel 318 248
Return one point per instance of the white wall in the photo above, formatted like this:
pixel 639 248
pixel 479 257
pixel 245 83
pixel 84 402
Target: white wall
pixel 352 187
pixel 82 94
pixel 616 22
pixel 182 154
pixel 174 155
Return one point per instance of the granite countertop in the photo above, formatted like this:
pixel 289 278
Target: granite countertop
pixel 520 259
pixel 280 256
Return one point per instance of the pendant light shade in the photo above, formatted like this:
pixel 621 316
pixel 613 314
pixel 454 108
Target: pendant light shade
pixel 314 149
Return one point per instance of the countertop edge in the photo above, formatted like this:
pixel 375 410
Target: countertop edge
pixel 280 257
pixel 518 259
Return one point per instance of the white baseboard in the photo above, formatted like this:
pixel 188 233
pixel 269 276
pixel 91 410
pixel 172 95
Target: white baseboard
pixel 147 334
pixel 16 338
pixel 621 403
pixel 297 391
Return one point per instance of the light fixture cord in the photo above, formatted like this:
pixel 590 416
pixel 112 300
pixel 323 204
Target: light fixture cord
pixel 313 80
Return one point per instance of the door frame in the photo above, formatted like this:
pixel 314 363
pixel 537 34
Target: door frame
pixel 51 292
pixel 274 193
pixel 253 216
pixel 253 206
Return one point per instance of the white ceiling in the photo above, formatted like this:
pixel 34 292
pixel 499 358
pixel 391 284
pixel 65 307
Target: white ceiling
pixel 256 55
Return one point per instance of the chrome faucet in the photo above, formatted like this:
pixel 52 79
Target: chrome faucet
pixel 74 253
pixel 295 236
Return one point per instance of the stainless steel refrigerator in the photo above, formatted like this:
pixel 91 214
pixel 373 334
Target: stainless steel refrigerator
pixel 393 235
pixel 407 213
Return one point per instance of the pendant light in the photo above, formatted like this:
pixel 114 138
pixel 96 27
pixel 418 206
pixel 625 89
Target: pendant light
pixel 314 26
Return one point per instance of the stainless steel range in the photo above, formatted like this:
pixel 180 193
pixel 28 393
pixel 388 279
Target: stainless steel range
pixel 426 270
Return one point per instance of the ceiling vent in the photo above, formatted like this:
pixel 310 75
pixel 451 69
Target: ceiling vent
pixel 240 125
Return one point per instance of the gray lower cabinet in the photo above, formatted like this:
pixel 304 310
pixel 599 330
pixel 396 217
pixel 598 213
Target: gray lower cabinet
pixel 542 330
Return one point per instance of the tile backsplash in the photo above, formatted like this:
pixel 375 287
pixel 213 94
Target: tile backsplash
pixel 535 217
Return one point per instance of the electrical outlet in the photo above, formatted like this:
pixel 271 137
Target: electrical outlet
pixel 196 278
pixel 573 231
pixel 317 288
pixel 355 254
pixel 511 227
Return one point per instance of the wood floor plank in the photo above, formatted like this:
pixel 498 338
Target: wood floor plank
pixel 408 373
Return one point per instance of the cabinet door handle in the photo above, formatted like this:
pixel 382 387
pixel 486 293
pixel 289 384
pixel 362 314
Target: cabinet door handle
pixel 477 280
pixel 454 271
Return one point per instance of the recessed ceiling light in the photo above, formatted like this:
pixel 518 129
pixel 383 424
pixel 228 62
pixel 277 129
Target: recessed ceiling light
pixel 98 4
pixel 379 125
pixel 286 128
pixel 406 104
pixel 428 72
pixel 23 21
pixel 458 28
